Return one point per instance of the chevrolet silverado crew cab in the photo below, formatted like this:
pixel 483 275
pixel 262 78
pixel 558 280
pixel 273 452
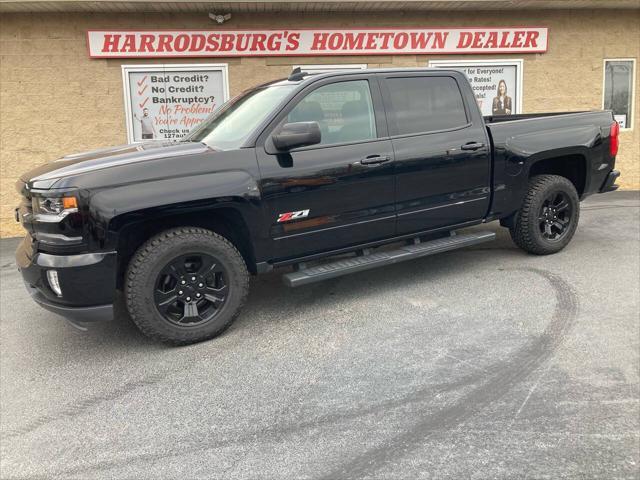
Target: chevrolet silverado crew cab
pixel 294 172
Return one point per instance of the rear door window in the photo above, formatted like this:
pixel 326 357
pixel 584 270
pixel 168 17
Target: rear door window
pixel 424 104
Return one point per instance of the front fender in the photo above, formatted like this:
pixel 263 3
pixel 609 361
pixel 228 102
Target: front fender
pixel 114 209
pixel 165 193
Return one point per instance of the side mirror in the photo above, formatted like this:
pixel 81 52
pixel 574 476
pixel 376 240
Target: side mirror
pixel 298 134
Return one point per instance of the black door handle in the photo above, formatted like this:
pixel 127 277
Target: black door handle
pixel 374 159
pixel 472 146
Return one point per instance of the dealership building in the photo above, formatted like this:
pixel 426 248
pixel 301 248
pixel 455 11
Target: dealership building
pixel 79 75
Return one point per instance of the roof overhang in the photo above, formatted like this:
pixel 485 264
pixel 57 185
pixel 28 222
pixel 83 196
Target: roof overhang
pixel 310 6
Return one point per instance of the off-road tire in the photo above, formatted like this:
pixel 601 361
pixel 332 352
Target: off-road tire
pixel 153 255
pixel 525 231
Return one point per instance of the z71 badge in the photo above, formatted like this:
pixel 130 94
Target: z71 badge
pixel 287 217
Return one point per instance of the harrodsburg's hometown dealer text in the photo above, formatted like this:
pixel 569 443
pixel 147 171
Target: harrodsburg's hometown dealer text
pixel 301 42
pixel 166 102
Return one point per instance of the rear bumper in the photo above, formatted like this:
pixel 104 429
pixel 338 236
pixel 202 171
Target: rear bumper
pixel 609 182
pixel 87 282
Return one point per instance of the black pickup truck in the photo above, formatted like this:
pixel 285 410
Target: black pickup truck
pixel 293 172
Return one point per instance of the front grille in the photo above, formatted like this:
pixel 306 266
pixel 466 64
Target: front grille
pixel 24 212
pixel 26 199
pixel 28 204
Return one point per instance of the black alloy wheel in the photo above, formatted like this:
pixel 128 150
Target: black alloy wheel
pixel 555 216
pixel 185 285
pixel 191 289
pixel 548 216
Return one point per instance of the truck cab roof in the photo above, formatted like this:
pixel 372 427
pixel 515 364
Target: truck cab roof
pixel 300 77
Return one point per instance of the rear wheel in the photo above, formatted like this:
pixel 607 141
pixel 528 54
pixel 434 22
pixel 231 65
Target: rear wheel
pixel 185 285
pixel 548 217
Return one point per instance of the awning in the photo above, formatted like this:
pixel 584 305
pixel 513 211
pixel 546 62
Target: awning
pixel 310 6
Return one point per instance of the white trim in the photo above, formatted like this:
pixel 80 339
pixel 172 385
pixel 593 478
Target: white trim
pixel 321 68
pixel 518 62
pixel 630 120
pixel 153 67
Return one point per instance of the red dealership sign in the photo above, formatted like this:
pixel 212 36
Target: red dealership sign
pixel 306 42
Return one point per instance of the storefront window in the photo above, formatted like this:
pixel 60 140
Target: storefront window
pixel 618 90
pixel 496 84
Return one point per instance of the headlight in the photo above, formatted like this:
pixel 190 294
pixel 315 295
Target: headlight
pixel 59 206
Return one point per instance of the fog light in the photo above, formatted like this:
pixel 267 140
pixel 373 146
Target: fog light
pixel 52 276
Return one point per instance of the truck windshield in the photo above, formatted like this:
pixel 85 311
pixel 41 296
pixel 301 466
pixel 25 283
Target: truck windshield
pixel 229 127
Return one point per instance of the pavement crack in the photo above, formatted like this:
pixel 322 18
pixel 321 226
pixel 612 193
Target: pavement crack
pixel 533 388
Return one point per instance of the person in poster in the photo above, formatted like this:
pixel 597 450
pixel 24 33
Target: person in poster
pixel 147 127
pixel 502 102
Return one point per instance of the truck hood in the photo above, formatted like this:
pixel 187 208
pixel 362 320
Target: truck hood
pixel 46 175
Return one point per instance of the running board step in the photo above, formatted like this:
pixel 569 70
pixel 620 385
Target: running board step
pixel 377 259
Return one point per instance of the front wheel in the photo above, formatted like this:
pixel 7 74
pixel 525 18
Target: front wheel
pixel 548 217
pixel 185 285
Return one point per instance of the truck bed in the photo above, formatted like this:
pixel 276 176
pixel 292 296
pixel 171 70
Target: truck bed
pixel 523 116
pixel 519 141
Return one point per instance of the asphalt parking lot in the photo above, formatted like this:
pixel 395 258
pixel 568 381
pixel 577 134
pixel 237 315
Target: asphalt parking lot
pixel 481 363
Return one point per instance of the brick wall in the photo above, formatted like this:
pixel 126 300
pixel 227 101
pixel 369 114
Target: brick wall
pixel 54 100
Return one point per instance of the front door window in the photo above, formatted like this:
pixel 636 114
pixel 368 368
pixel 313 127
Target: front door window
pixel 344 111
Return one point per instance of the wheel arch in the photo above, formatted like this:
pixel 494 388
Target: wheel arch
pixel 571 164
pixel 566 151
pixel 227 218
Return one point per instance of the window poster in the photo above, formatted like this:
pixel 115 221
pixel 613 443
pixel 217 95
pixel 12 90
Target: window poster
pixel 497 84
pixel 621 119
pixel 165 102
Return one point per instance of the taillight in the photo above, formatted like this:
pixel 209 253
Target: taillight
pixel 614 139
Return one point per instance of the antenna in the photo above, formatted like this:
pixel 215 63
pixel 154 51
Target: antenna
pixel 297 74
